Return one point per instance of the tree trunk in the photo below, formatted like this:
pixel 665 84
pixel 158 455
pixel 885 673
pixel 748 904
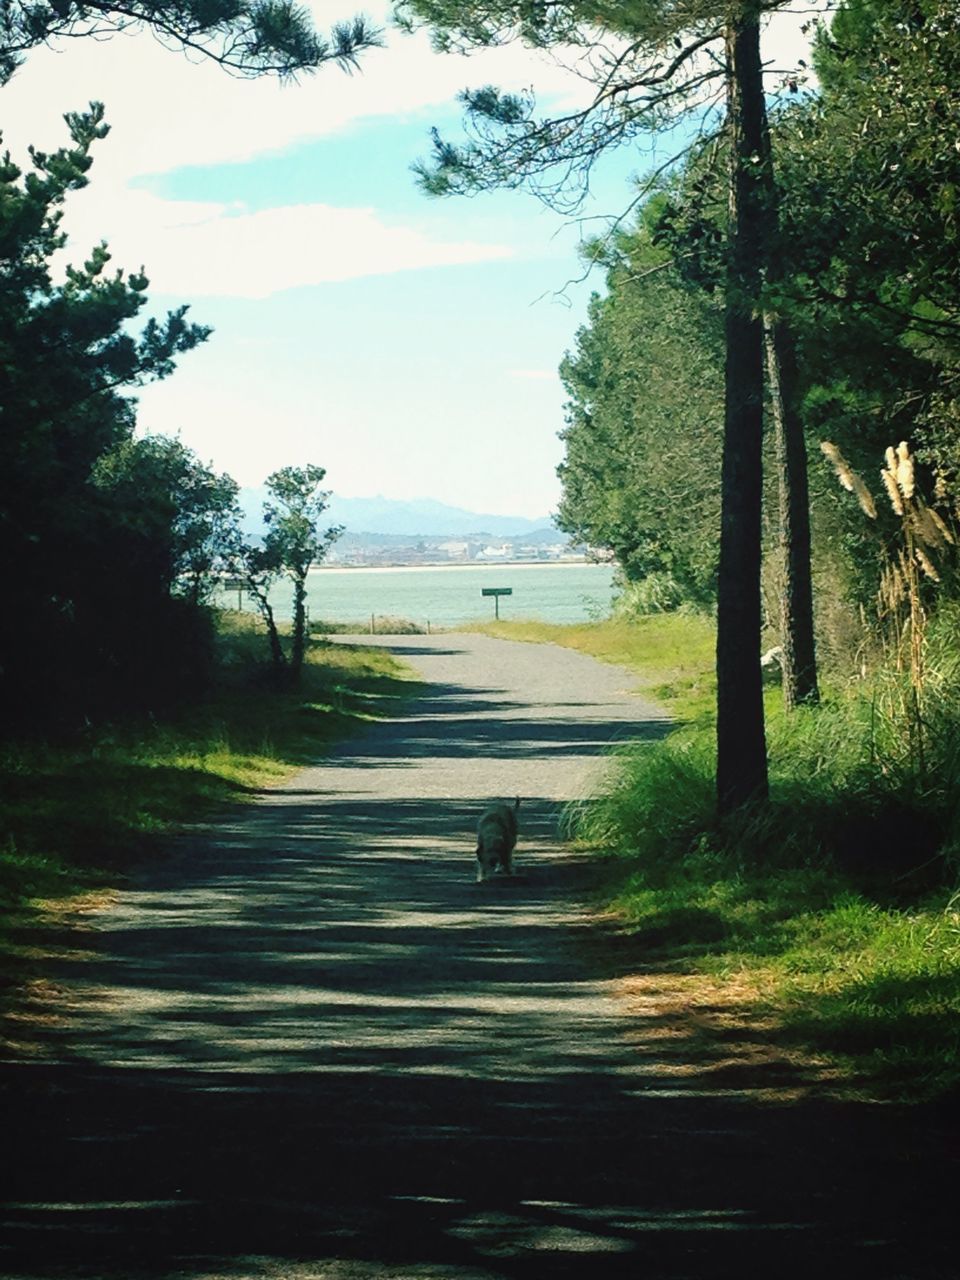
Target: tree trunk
pixel 299 644
pixel 796 593
pixel 741 741
pixel 278 657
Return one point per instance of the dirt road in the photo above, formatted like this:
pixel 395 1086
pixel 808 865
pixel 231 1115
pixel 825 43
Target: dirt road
pixel 309 1045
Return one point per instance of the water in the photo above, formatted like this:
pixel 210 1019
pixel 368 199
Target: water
pixel 445 596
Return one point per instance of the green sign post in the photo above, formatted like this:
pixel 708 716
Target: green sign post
pixel 496 592
pixel 235 584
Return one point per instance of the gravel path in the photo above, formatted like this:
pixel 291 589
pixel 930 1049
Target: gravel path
pixel 309 1045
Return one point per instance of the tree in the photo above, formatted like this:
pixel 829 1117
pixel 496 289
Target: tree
pixel 691 224
pixel 293 543
pixel 246 37
pixel 179 520
pixel 872 195
pixel 66 356
pixel 798 662
pixel 641 474
pixel 158 526
pixel 741 741
pixel 649 65
pixel 869 247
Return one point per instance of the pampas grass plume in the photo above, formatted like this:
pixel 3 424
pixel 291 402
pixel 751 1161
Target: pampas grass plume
pixel 941 525
pixel 892 587
pixel 840 465
pixel 905 476
pixel 893 491
pixel 926 564
pixel 925 527
pixel 864 497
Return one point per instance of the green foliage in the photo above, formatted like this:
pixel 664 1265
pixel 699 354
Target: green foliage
pixel 848 789
pixel 644 63
pixel 66 355
pixel 179 520
pixel 889 73
pixel 292 514
pixel 641 475
pixel 866 255
pixel 869 172
pixel 294 541
pixel 262 37
pixel 656 593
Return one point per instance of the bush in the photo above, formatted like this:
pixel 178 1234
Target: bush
pixel 845 794
pixel 656 593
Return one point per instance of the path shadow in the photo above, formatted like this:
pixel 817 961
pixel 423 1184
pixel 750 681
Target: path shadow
pixel 406 650
pixel 308 1044
pixel 337 1055
pixel 449 721
pixel 176 1173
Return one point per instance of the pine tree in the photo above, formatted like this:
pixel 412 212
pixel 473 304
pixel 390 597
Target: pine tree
pixel 66 356
pixel 651 65
pixel 246 37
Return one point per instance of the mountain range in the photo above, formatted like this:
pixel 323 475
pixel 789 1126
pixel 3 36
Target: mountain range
pixel 418 517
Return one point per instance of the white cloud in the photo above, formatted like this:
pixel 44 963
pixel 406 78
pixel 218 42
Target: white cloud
pixel 168 111
pixel 203 249
pixel 535 375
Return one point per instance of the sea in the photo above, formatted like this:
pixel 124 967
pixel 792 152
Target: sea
pixel 445 596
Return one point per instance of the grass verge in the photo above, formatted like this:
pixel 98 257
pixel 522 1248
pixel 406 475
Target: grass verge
pixel 829 914
pixel 77 814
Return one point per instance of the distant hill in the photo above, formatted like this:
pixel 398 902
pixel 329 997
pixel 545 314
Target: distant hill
pixel 418 518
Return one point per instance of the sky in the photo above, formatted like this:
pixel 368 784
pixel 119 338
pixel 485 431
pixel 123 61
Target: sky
pixel 409 345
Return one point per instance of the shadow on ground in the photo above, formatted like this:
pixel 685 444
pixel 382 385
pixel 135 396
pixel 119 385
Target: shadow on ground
pixel 319 1060
pixel 178 1173
pixel 309 1045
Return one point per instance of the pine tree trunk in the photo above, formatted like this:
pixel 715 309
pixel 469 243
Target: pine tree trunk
pixel 741 740
pixel 796 593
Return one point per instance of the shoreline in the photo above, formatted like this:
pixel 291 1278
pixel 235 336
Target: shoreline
pixel 505 565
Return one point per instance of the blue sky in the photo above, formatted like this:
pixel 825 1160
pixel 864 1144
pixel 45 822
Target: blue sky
pixel 408 345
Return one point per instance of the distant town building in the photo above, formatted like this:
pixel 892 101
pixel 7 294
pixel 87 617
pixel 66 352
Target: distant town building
pixel 378 551
pixel 455 550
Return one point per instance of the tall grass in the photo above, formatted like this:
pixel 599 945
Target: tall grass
pixel 835 903
pixel 835 899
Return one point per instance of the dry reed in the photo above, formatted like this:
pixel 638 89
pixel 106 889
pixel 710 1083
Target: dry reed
pixel 923 536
